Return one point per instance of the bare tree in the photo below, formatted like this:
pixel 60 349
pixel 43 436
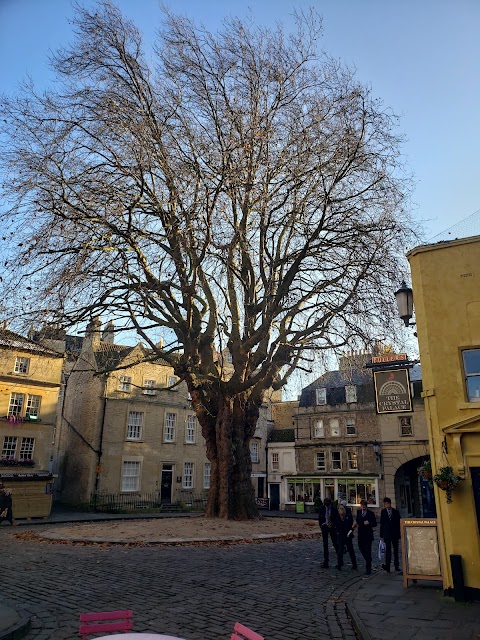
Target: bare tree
pixel 244 194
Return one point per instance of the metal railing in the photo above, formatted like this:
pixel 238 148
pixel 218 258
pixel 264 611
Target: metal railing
pixel 124 502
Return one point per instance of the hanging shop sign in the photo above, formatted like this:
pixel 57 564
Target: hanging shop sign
pixel 393 391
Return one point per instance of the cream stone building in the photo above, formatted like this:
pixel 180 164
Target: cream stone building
pixel 127 427
pixel 30 377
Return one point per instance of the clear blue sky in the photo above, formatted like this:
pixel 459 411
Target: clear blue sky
pixel 422 57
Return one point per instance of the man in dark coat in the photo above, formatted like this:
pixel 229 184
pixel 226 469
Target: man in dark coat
pixel 5 505
pixel 390 534
pixel 366 522
pixel 328 520
pixel 345 536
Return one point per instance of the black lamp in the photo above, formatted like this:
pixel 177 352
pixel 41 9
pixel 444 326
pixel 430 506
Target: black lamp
pixel 376 451
pixel 404 298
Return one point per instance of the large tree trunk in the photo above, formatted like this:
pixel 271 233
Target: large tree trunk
pixel 231 491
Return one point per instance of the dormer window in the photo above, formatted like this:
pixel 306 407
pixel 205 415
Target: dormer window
pixel 351 393
pixel 321 396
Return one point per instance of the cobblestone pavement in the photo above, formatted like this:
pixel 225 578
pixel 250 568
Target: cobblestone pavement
pixel 193 592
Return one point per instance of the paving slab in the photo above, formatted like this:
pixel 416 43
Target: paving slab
pixel 419 611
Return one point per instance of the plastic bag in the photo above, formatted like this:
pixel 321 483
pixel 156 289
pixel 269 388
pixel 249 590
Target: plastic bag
pixel 382 547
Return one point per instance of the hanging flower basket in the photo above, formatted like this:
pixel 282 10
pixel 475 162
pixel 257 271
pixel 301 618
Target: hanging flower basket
pixel 425 470
pixel 446 480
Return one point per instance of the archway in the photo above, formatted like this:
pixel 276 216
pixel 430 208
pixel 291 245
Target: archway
pixel 413 495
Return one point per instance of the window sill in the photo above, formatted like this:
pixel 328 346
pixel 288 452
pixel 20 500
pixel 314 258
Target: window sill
pixel 469 405
pixel 189 442
pixel 169 442
pixel 134 440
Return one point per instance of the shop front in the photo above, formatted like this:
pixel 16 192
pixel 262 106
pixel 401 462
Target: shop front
pixel 351 489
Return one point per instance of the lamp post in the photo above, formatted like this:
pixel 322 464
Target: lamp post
pixel 404 298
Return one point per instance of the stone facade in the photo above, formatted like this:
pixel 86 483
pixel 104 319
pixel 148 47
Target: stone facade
pixel 132 431
pixel 30 377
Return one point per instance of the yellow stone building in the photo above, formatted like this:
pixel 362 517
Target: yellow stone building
pixel 446 290
pixel 30 377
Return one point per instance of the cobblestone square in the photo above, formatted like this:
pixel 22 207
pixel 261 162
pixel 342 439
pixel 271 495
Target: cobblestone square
pixel 195 592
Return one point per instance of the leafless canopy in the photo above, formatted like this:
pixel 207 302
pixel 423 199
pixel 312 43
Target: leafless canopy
pixel 244 192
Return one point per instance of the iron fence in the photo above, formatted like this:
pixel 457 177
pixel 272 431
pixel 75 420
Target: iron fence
pixel 124 502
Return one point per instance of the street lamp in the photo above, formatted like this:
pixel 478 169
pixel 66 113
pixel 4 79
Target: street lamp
pixel 404 298
pixel 376 451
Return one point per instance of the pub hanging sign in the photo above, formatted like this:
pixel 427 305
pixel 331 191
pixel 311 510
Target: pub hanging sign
pixel 392 391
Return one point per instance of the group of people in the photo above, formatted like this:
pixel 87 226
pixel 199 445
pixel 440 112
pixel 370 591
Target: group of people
pixel 339 525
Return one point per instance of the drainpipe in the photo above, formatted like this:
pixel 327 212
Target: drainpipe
pixel 100 445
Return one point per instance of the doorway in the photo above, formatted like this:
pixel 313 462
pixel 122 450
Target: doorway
pixel 274 497
pixel 475 471
pixel 166 484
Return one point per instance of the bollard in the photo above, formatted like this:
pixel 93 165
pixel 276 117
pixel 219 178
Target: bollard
pixel 457 576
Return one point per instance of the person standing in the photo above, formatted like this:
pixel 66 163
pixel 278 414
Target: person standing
pixel 5 505
pixel 366 522
pixel 328 520
pixel 345 537
pixel 390 534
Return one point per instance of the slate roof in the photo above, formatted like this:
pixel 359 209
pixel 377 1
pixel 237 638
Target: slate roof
pixel 336 381
pixel 11 340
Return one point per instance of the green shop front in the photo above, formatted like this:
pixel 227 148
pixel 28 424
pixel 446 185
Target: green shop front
pixel 352 489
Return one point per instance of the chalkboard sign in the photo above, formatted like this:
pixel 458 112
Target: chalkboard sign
pixel 262 503
pixel 420 549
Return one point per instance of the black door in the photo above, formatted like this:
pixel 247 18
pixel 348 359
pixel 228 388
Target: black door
pixel 166 488
pixel 475 471
pixel 274 497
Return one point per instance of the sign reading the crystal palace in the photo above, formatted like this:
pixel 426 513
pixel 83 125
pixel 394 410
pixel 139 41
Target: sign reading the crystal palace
pixel 392 391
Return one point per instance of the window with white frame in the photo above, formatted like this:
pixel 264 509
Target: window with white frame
pixel 9 446
pixel 27 446
pixel 191 430
pixel 351 393
pixel 187 475
pixel 172 380
pixel 149 387
pixel 350 427
pixel 275 462
pixel 32 408
pixel 352 460
pixel 22 365
pixel 135 425
pixel 15 406
pixel 131 475
pixel 319 429
pixel 334 427
pixel 125 383
pixel 254 451
pixel 169 427
pixel 406 426
pixel 321 396
pixel 320 461
pixel 207 470
pixel 336 460
pixel 471 366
